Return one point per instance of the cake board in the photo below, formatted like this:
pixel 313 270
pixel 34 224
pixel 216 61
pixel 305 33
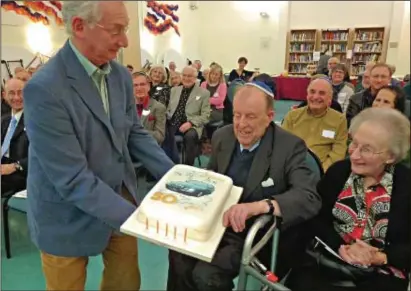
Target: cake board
pixel 201 250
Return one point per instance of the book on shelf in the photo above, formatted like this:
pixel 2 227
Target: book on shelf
pixel 334 36
pixel 303 47
pixel 368 47
pixel 303 36
pixel 369 35
pixel 364 58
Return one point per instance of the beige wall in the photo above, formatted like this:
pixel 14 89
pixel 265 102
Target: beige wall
pixel 131 54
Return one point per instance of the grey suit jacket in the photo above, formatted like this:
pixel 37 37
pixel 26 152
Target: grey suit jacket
pixel 155 121
pixel 281 157
pixel 197 107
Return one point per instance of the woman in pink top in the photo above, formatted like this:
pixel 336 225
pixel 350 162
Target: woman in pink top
pixel 215 84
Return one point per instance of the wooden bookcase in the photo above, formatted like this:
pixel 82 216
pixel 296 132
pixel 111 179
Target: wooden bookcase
pixel 369 45
pixel 301 45
pixel 336 40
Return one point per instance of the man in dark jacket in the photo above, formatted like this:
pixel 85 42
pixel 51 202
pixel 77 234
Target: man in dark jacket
pixel 380 76
pixel 14 141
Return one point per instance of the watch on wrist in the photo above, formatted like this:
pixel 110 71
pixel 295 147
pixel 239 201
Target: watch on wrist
pixel 270 205
pixel 18 167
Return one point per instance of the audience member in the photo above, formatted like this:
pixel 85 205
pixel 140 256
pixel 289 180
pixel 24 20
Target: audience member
pixel 130 68
pixel 5 107
pixel 17 70
pixel 241 72
pixel 365 215
pixel 380 76
pixel 206 72
pixel 364 78
pixel 14 142
pixel 175 79
pixel 251 151
pixel 151 112
pixel 188 113
pixel 390 97
pixel 197 64
pixel 341 91
pixel 172 66
pixel 160 91
pixel 23 76
pixel 323 129
pixel 332 62
pixel 323 64
pixel 84 135
pixel 215 84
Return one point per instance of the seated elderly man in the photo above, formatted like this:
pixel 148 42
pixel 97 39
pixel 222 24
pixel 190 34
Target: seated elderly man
pixel 188 112
pixel 151 112
pixel 269 163
pixel 14 141
pixel 323 129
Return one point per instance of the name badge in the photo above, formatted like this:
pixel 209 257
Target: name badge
pixel 328 133
pixel 198 98
pixel 159 88
pixel 146 112
pixel 216 94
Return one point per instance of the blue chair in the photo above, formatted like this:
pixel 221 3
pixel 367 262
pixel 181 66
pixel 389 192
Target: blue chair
pixel 250 251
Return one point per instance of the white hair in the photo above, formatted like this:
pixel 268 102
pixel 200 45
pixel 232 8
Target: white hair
pixel 395 124
pixel 193 69
pixel 89 11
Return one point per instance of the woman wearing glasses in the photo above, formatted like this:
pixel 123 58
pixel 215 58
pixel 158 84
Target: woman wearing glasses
pixel 365 217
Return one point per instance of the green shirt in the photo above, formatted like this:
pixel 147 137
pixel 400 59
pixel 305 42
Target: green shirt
pixel 96 74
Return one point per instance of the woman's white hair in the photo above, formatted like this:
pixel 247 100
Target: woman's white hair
pixel 395 124
pixel 163 70
pixel 87 10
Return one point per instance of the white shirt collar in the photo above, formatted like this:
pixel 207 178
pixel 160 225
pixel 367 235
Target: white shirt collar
pixel 17 116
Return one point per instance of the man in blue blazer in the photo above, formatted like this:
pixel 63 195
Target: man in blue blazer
pixel 84 134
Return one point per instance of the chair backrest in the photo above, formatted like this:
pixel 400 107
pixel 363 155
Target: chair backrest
pixel 314 164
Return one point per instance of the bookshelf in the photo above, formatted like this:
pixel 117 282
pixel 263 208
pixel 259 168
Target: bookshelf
pixel 369 45
pixel 301 45
pixel 336 40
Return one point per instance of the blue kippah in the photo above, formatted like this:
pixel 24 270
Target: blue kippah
pixel 262 86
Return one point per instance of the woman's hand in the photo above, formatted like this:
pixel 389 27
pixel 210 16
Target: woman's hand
pixel 359 253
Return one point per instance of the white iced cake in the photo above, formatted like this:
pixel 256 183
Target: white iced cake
pixel 186 203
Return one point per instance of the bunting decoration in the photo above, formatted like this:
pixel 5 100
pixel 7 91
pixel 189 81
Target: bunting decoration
pixel 36 11
pixel 161 18
pixel 39 6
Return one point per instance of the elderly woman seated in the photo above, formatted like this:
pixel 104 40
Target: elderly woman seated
pixel 160 90
pixel 365 216
pixel 175 79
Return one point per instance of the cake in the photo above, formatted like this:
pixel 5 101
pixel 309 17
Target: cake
pixel 186 203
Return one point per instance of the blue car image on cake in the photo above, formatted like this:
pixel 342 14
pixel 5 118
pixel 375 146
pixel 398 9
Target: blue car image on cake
pixel 192 188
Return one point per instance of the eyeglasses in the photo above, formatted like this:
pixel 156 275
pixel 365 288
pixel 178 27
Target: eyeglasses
pixel 365 151
pixel 115 31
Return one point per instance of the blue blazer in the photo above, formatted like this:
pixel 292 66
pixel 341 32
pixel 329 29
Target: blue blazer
pixel 80 157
